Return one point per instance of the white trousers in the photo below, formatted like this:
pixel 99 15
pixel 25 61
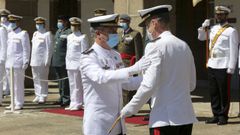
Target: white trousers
pixel 76 88
pixel 2 70
pixel 6 87
pixel 40 87
pixel 18 85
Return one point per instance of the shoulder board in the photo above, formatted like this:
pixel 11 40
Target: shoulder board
pixel 87 51
pixel 155 40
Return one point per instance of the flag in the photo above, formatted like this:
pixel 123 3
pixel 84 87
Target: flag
pixel 195 2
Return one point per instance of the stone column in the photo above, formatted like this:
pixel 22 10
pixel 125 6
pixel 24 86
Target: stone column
pixel 2 4
pixel 130 7
pixel 44 10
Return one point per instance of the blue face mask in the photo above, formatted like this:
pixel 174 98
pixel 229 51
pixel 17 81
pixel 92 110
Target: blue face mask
pixel 124 26
pixel 39 27
pixel 60 25
pixel 113 40
pixel 12 25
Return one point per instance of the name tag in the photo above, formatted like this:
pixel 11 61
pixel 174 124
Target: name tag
pixel 63 36
pixel 41 39
pixel 16 40
pixel 128 39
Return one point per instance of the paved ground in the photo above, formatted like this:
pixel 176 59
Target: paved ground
pixel 32 121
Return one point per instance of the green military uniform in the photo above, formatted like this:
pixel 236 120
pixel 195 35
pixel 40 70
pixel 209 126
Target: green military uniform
pixel 131 50
pixel 59 65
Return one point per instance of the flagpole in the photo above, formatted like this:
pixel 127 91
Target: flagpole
pixel 207 34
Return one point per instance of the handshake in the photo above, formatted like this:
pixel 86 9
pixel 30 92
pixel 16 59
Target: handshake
pixel 206 23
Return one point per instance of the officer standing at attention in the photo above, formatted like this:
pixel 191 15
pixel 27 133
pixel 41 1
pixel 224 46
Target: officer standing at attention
pixel 166 82
pixel 130 48
pixel 58 60
pixel 76 44
pixel 102 80
pixel 18 55
pixel 42 44
pixel 5 24
pixel 3 53
pixel 223 54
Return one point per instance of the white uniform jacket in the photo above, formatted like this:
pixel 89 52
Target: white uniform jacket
pixel 76 44
pixel 42 48
pixel 3 45
pixel 168 82
pixel 18 49
pixel 225 51
pixel 102 90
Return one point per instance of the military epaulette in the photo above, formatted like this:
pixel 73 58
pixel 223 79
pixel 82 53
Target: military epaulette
pixel 87 51
pixel 154 40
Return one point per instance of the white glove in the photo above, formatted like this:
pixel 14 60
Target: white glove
pixel 25 66
pixel 206 23
pixel 125 113
pixel 139 66
pixel 230 71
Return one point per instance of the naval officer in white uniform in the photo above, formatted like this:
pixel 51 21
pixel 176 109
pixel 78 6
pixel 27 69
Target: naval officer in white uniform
pixel 18 55
pixel 42 48
pixel 3 53
pixel 76 44
pixel 168 81
pixel 5 24
pixel 223 54
pixel 102 79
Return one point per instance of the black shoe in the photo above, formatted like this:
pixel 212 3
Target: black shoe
pixel 222 121
pixel 57 103
pixel 64 104
pixel 212 120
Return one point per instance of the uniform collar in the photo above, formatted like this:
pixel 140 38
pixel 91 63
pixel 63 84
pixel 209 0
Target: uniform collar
pixel 165 33
pixel 78 33
pixel 17 30
pixel 100 50
pixel 42 31
pixel 128 30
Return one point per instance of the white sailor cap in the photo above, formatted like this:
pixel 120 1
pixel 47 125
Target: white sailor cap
pixel 4 12
pixel 149 12
pixel 40 20
pixel 75 21
pixel 13 17
pixel 104 21
pixel 222 10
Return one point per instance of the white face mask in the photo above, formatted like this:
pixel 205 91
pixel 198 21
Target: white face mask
pixel 149 35
pixel 3 19
pixel 12 25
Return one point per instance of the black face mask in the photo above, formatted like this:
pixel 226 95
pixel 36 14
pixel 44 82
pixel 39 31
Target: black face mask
pixel 221 21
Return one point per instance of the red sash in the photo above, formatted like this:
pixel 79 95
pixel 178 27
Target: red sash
pixel 130 57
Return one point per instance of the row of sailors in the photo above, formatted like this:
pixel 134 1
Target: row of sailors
pixel 15 52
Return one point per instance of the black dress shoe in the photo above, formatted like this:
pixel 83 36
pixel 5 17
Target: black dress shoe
pixel 222 121
pixel 212 120
pixel 57 103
